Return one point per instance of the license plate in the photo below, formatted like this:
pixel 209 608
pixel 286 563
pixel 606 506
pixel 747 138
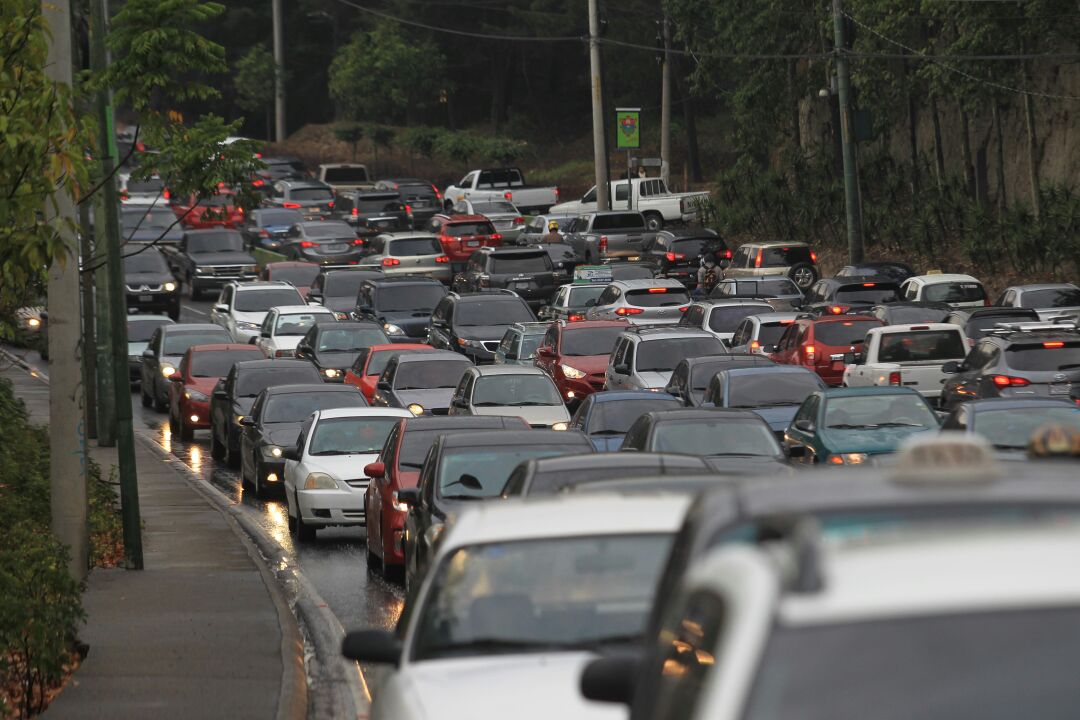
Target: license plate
pixel 340 248
pixel 1061 388
pixel 472 243
pixel 523 285
pixel 146 298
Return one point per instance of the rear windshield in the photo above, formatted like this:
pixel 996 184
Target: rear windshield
pixel 345 175
pixel 215 243
pixel 621 221
pixel 616 417
pixel 924 345
pixel 511 264
pixel 662 355
pixel 877 293
pixel 344 284
pixel 267 218
pixel 349 339
pixel 296 406
pixel 912 315
pixel 309 194
pixel 589 341
pixel 725 319
pixel 328 230
pixel 657 297
pixel 1056 298
pixel 178 342
pixel 428 374
pixel 770 333
pixel 1048 356
pixel 957 292
pixel 771 389
pixel 977 327
pixel 251 382
pixel 218 363
pixel 263 300
pixel 469 228
pixel 845 332
pixel 380 204
pixel 299 275
pixel 509 177
pixel 496 311
pixel 141 330
pixel 146 219
pixel 409 298
pixel 149 261
pixel 780 257
pixel 411 247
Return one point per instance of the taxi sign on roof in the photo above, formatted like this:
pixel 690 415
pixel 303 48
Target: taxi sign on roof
pixel 592 274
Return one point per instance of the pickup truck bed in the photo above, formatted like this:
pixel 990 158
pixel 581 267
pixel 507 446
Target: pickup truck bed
pixel 906 356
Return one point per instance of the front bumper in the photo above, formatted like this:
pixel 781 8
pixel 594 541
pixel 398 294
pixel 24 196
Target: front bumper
pixel 243 335
pixel 153 301
pixel 352 257
pixel 573 391
pixel 323 508
pixel 211 282
pixel 195 409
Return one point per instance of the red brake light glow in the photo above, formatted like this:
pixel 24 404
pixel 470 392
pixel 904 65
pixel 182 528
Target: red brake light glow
pixel 258 183
pixel 672 257
pixel 603 243
pixel 355 212
pixel 1053 345
pixel 508 195
pixel 836 309
pixel 306 244
pixel 754 346
pixel 390 262
pixel 894 378
pixel 443 259
pixel 519 220
pixel 496 236
pixel 657 290
pixel 358 241
pixel 1006 381
pixel 813 257
pixel 438 195
pixel 757 260
pixel 576 318
pixel 624 311
pixel 292 205
pixel 869 284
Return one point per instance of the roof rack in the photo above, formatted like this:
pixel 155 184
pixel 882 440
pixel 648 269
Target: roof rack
pixel 1014 327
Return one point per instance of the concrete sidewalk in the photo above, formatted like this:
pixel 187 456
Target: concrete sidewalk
pixel 204 631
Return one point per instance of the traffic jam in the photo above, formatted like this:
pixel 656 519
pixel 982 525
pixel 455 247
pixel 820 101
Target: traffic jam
pixel 546 460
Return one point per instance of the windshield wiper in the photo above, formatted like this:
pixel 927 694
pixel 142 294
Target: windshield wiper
pixel 492 645
pixel 488 404
pixel 595 643
pixel 848 426
pixel 898 424
pixel 465 497
pixel 344 452
pixel 607 432
pixel 528 403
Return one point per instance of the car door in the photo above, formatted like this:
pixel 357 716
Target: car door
pixel 249 438
pixel 802 435
pixel 617 380
pixel 265 341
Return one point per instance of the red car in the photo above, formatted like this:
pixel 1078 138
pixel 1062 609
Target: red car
pixel 461 235
pixel 370 363
pixel 398 467
pixel 575 355
pixel 300 274
pixel 194 381
pixel 820 343
pixel 217 210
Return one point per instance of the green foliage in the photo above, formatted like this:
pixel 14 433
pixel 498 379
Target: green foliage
pixel 254 77
pixel 420 140
pixel 350 132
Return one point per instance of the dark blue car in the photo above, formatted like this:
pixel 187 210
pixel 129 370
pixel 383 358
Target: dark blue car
pixel 774 392
pixel 266 228
pixel 606 416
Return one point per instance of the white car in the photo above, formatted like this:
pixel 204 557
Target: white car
pixel 242 306
pixel 284 327
pixel 519 597
pixel 324 474
pixel 1050 300
pixel 911 356
pixel 722 317
pixel 952 289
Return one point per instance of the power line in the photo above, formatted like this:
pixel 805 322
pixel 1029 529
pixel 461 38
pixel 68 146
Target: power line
pixel 462 33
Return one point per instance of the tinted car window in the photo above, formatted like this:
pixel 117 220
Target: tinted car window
pixel 1046 357
pixel 515 390
pixel 307 194
pixel 921 346
pixel 494 311
pixel 589 341
pixel 482 472
pixel 349 339
pixel 954 292
pixel 299 323
pixel 343 284
pixel 436 374
pixel 715 437
pixel 579 296
pixel 657 297
pixel 142 330
pixel 328 230
pixel 760 390
pixel 215 242
pixel 769 333
pixel 628 221
pixel 469 228
pixel 617 417
pixel 862 294
pixel 787 256
pixel 252 382
pixel 408 247
pixel 1061 297
pixel 218 363
pixel 509 264
pixel 847 332
pixel 150 261
pixel 345 175
pixel 725 318
pixel 265 218
pixel 178 342
pixel 263 300
pixel 663 355
pixel 1011 428
pixel 409 297
pixel 295 407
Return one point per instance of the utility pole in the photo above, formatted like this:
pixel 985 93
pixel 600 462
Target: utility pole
pixel 599 145
pixel 89 344
pixel 279 71
pixel 67 443
pixel 665 106
pixel 117 303
pixel 851 173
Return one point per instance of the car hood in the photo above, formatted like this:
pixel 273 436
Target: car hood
pixel 284 434
pixel 880 440
pixel 482 332
pixel 339 304
pixel 653 379
pixel 339 360
pixel 134 280
pixel 413 323
pixel 429 398
pixel 525 687
pixel 342 467
pixel 223 258
pixel 534 415
pixel 748 465
pixel 778 417
pixel 606 443
pixel 591 364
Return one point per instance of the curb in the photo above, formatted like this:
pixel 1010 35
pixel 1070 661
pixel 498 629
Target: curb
pixel 30 369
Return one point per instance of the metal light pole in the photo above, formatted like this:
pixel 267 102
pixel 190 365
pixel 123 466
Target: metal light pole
pixel 665 107
pixel 279 72
pixel 599 146
pixel 851 173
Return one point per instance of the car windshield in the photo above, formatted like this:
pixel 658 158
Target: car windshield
pixel 344 284
pixel 215 242
pixel 177 342
pixel 521 263
pixel 488 208
pixel 294 407
pixel 775 287
pixel 462 229
pixel 657 297
pixel 921 346
pixel 585 342
pixel 1055 298
pixel 141 330
pixel 1008 663
pixel 350 435
pixel 427 374
pixel 540 595
pixel 580 296
pixel 250 383
pixel 515 391
pixel 752 390
pixel 149 261
pixel 267 218
pixel 311 194
pixel 662 355
pixel 716 437
pixel 299 323
pixel 411 247
pixel 493 311
pixel 870 293
pixel 299 275
pixel 529 343
pixel 263 300
pixel 912 315
pixel 692 247
pixel 328 230
pixel 352 339
pixel 843 332
pixel 480 472
pixel 149 186
pixel 616 417
pixel 142 220
pixel 218 363
pixel 770 333
pixel 1010 428
pixel 409 298
pixel 726 318
pixel 1044 356
pixel 954 292
pixel 869 412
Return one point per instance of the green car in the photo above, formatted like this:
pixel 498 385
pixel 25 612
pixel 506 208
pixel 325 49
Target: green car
pixel 850 426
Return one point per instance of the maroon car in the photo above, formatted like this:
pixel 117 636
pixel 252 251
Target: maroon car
pixel 575 355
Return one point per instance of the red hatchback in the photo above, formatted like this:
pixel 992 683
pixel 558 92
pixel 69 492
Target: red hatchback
pixel 218 210
pixel 372 361
pixel 194 381
pixel 462 235
pixel 820 343
pixel 575 355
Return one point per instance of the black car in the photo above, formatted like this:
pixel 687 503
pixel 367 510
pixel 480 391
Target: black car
pixel 473 324
pixel 690 379
pixel 209 259
pixel 551 475
pixel 402 305
pixel 326 242
pixel 896 272
pixel 145 224
pixel 464 467
pixel 678 254
pixel 371 213
pixel 337 289
pixel 150 284
pixel 333 347
pixel 836 296
pixel 274 424
pixel 727 433
pixel 909 313
pixel 563 260
pixel 268 228
pixel 977 322
pixel 278 167
pixel 234 395
pixel 314 199
pixel 423 383
pixel 163 354
pixel 423 198
pixel 526 271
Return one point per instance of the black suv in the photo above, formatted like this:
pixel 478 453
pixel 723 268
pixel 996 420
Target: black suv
pixel 678 253
pixel 150 284
pixel 528 272
pixel 1020 363
pixel 371 213
pixel 835 296
pixel 337 289
pixel 402 305
pixel 473 324
pixel 421 196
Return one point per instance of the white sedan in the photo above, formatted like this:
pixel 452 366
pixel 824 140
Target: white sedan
pixel 520 596
pixel 284 327
pixel 324 474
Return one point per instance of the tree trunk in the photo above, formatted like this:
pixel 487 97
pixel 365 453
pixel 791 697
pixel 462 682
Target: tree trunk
pixel 913 138
pixel 939 153
pixel 269 124
pixel 1002 200
pixel 793 99
pixel 693 157
pixel 965 148
pixel 1033 157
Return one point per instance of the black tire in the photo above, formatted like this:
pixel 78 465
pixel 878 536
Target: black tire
pixel 217 448
pixel 193 292
pixel 374 564
pixel 304 533
pixel 654 221
pixel 147 401
pixel 159 404
pixel 187 433
pixel 804 275
pixel 260 489
pixel 232 452
pixel 174 423
pixel 174 314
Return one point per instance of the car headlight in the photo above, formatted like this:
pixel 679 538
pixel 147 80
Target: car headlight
pixel 341 315
pixel 319 481
pixel 416 409
pixel 167 370
pixel 272 452
pixel 332 372
pixel 201 271
pixel 239 419
pixel 250 269
pixel 195 395
pixel 34 322
pixel 571 372
pixel 475 344
pixel 559 426
pixel 170 286
pixel 392 329
pixel 242 325
pixel 848 459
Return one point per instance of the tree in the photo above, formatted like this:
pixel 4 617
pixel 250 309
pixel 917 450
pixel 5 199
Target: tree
pixel 381 137
pixel 254 78
pixel 350 132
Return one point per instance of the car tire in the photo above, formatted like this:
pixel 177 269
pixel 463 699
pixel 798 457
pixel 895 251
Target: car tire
pixel 304 533
pixel 174 423
pixel 654 221
pixel 147 401
pixel 804 275
pixel 159 404
pixel 260 489
pixel 174 314
pixel 193 290
pixel 187 433
pixel 217 448
pixel 232 455
pixel 373 563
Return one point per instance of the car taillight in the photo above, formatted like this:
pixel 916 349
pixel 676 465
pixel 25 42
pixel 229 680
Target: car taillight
pixel 292 205
pixel 518 221
pixel 813 257
pixel 684 308
pixel 894 378
pixel 603 244
pixel 258 156
pixel 165 194
pixel 124 196
pixel 390 262
pixel 355 212
pixel 657 291
pixel 836 309
pixel 809 352
pixel 258 183
pixel 306 244
pixel 726 254
pixel 757 260
pixel 239 211
pixel 408 209
pixel 508 195
pixel 438 195
pixel 624 311
pixel 672 256
pixel 330 204
pixel 264 233
pixel 1007 381
pixel 576 318
pixel 754 346
pixel 358 241
pixel 1053 345
pixel 496 236
pixel 557 194
pixel 443 259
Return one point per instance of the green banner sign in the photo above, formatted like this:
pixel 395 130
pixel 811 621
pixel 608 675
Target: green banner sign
pixel 628 128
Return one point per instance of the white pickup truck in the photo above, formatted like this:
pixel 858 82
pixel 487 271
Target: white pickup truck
pixel 906 356
pixel 500 184
pixel 648 196
pixel 345 176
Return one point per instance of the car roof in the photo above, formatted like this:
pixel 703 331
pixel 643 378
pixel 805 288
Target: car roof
pixel 840 392
pixel 1043 286
pixel 488 297
pixel 305 388
pixel 261 285
pixel 684 414
pixel 525 438
pixel 1005 403
pixel 212 231
pixel 286 263
pixel 777 243
pixel 661 332
pixel 464 422
pixel 644 283
pixel 776 316
pixel 400 346
pixel 188 327
pixel 512 251
pixel 617 395
pixel 222 347
pixel 298 309
pixel 571 463
pixel 489 370
pixel 408 235
pixel 915 327
pixel 769 370
pixel 455 219
pixel 437 356
pixel 822 319
pixel 731 302
pixel 269 364
pixel 155 318
pixel 403 280
pixel 943 278
pixel 331 413
pixel 587 324
pixel 349 325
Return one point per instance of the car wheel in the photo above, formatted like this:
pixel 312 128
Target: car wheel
pixel 174 314
pixel 174 423
pixel 147 401
pixel 159 404
pixel 654 221
pixel 304 533
pixel 373 562
pixel 232 456
pixel 260 489
pixel 217 448
pixel 804 275
pixel 193 291
pixel 187 433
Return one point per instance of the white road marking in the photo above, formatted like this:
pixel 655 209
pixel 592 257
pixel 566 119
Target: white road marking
pixel 196 311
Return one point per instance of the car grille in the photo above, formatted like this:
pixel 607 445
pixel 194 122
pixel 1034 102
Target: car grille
pixel 490 345
pixel 143 288
pixel 440 411
pixel 358 483
pixel 221 270
pixel 353 514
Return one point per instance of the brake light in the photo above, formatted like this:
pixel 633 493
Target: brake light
pixel 438 195
pixel 1006 381
pixel 358 241
pixel 557 194
pixel 124 196
pixel 519 220
pixel 292 205
pixel 754 346
pixel 355 212
pixel 221 185
pixel 496 236
pixel 390 262
pixel 624 311
pixel 508 195
pixel 894 378
pixel 654 291
pixel 306 244
pixel 813 257
pixel 165 194
pixel 408 209
pixel 684 308
pixel 757 260
pixel 726 254
pixel 603 244
pixel 836 309
pixel 264 233
pixel 258 156
pixel 258 183
pixel 672 257
pixel 140 147
pixel 920 327
pixel 869 284
pixel 576 318
pixel 809 351
pixel 330 204
pixel 443 259
pixel 787 322
pixel 1053 345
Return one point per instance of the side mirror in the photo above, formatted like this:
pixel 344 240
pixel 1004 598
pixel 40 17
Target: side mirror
pixel 460 403
pixel 804 425
pixel 289 453
pixel 221 307
pixel 611 679
pixel 409 496
pixel 372 646
pixel 952 367
pixel 851 358
pixel 767 349
pixel 220 394
pixel 375 469
pixel 545 352
pixel 148 354
pixel 383 385
pixel 248 421
pixel 621 369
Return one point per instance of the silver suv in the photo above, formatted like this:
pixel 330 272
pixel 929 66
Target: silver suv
pixel 794 259
pixel 721 317
pixel 644 357
pixel 659 301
